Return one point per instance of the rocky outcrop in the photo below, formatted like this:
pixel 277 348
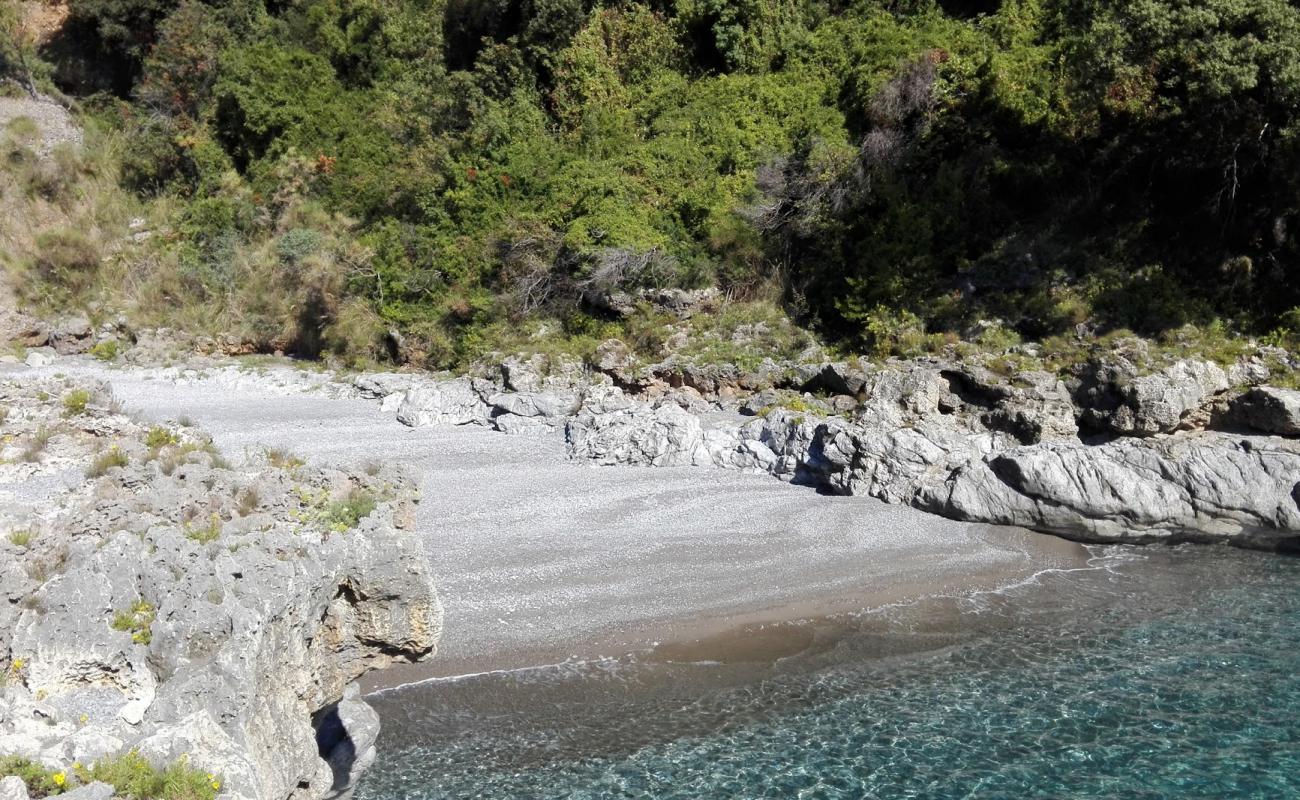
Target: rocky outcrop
pixel 456 402
pixel 160 600
pixel 1113 397
pixel 952 438
pixel 682 303
pixel 1268 409
pixel 1201 487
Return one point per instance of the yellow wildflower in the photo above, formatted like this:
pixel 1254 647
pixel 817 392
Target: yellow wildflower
pixel 216 785
pixel 19 664
pixel 60 778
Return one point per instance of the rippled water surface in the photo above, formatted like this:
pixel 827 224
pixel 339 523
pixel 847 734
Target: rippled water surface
pixel 1162 673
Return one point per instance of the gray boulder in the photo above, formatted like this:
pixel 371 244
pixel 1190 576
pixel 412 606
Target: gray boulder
pixel 1198 487
pixel 72 335
pixel 346 733
pixel 13 788
pixel 639 435
pixel 91 791
pixel 1115 398
pixel 1268 409
pixel 454 402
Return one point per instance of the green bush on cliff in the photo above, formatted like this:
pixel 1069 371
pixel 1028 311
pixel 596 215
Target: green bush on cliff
pixel 892 173
pixel 131 775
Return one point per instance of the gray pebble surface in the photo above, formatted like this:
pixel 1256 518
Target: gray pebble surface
pixel 540 558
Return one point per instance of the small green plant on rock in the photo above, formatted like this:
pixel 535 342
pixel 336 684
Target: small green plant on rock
pixel 159 437
pixel 136 620
pixel 13 673
pixel 204 534
pixel 337 516
pixel 20 538
pixel 249 501
pixel 37 444
pixel 131 776
pixel 343 515
pixel 110 458
pixel 105 350
pixel 283 459
pixel 75 402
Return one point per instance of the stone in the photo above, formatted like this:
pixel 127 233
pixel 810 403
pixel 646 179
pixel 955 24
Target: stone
pixel 614 358
pixel 638 435
pixel 1200 487
pixel 72 335
pixel 1115 398
pixel 13 788
pixel 454 402
pixel 518 425
pixel 1268 409
pixel 346 734
pixel 98 790
pixel 682 303
pixel 529 404
pixel 40 357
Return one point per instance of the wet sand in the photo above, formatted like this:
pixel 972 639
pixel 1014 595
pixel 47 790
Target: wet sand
pixel 541 559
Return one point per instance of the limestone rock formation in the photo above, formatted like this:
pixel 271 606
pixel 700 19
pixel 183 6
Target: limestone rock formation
pixel 164 601
pixel 1202 487
pixel 951 437
pixel 1269 409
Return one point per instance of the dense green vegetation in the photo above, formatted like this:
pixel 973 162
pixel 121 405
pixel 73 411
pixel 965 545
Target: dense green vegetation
pixel 889 173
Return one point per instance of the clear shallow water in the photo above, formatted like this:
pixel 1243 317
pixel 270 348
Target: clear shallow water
pixel 1160 674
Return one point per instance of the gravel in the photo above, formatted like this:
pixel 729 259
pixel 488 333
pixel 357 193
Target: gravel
pixel 540 559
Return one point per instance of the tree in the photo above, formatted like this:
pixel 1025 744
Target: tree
pixel 17 46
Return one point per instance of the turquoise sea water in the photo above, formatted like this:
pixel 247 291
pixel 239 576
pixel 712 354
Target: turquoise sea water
pixel 1158 674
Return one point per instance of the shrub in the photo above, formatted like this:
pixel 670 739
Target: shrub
pixel 75 402
pixel 203 534
pixel 249 500
pixel 296 245
pixel 159 437
pixel 136 620
pixel 343 515
pixel 283 459
pixel 41 782
pixel 66 261
pixel 105 350
pixel 132 776
pixel 109 459
pixel 37 444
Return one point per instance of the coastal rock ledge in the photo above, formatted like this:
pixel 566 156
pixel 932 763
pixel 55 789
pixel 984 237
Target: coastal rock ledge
pixel 159 602
pixel 1191 452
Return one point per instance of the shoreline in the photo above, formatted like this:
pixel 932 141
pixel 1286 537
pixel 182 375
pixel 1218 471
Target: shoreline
pixel 539 557
pixel 758 636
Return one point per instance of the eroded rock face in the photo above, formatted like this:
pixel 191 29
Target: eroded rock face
pixel 1115 398
pixel 455 402
pixel 949 437
pixel 170 603
pixel 1202 487
pixel 1269 409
